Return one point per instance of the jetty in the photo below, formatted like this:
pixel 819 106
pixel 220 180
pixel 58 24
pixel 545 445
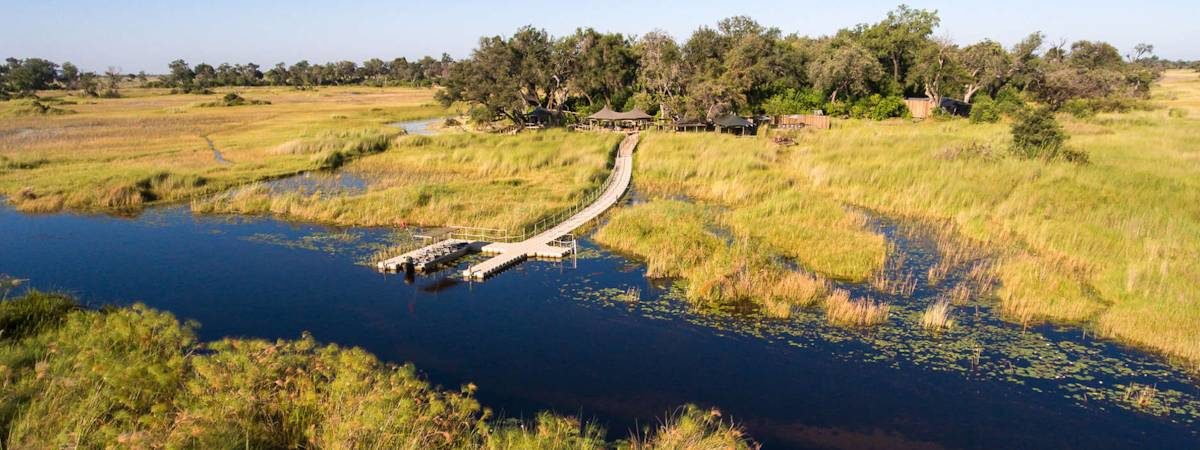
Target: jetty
pixel 427 258
pixel 550 238
pixel 549 243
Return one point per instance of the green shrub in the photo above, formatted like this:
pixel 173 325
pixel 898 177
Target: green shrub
pixel 878 107
pixel 794 101
pixel 1038 135
pixel 33 312
pixel 1080 108
pixel 1177 113
pixel 985 110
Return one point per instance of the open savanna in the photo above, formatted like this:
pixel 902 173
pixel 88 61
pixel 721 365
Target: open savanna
pixel 503 182
pixel 1113 244
pixel 150 146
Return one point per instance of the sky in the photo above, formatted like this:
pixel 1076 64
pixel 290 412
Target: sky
pixel 136 36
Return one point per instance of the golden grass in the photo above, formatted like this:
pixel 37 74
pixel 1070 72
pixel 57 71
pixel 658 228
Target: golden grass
pixel 101 156
pixel 936 317
pixel 493 181
pixel 1114 244
pixel 677 239
pixel 864 312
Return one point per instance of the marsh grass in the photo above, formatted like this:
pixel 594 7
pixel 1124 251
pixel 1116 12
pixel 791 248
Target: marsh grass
pixel 936 317
pixel 491 181
pixel 93 160
pixel 1113 245
pixel 1140 396
pixel 841 310
pixel 134 377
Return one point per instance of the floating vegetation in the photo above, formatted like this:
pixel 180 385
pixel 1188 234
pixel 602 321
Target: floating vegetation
pixel 979 345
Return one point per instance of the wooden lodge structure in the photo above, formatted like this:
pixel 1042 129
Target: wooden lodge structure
pixel 732 123
pixel 606 118
pixel 797 121
pixel 923 107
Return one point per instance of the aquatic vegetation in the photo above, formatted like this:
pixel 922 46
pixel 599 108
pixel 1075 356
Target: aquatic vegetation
pixel 1102 245
pixel 937 317
pixel 137 377
pixel 694 428
pixel 862 312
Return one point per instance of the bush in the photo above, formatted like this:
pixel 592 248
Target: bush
pixel 1079 108
pixel 31 313
pixel 1038 135
pixel 793 101
pixel 985 110
pixel 878 107
pixel 1177 113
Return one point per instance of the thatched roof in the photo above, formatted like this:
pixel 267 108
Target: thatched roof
pixel 608 114
pixel 732 121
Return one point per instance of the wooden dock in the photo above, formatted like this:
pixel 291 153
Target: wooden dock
pixel 427 258
pixel 545 244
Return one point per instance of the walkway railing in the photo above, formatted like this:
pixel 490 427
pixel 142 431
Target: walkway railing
pixel 543 224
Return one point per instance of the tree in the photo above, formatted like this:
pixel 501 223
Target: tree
pixel 181 75
pixel 205 76
pixel 489 78
pixel 278 75
pixel 1141 50
pixel 899 37
pixel 69 76
pixel 660 71
pixel 1094 55
pixel 844 67
pixel 986 65
pixel 112 82
pixel 29 75
pixel 937 67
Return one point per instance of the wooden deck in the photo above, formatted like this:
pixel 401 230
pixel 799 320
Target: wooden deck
pixel 542 244
pixel 428 257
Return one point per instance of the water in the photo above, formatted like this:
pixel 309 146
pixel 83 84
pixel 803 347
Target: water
pixel 551 336
pixel 420 127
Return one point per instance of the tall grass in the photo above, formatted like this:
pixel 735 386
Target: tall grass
pixel 840 309
pixel 134 377
pixel 493 181
pixel 936 317
pixel 1113 245
pixel 94 160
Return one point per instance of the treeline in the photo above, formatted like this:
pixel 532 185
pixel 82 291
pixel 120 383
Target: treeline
pixel 24 77
pixel 374 72
pixel 743 67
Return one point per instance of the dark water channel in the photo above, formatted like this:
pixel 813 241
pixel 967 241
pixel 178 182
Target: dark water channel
pixel 553 336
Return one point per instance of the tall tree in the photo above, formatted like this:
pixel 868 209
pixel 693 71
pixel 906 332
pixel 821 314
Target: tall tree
pixel 899 37
pixel 937 67
pixel 986 65
pixel 660 71
pixel 844 67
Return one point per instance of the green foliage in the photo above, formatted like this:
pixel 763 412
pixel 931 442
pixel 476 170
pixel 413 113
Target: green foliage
pixel 1038 135
pixel 31 313
pixel 1080 108
pixel 134 377
pixel 878 107
pixel 985 110
pixel 233 99
pixel 794 101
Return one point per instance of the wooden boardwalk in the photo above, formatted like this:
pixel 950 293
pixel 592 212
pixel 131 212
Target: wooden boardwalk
pixel 541 245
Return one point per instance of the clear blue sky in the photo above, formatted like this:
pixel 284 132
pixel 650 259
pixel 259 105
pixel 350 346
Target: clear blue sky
pixel 147 35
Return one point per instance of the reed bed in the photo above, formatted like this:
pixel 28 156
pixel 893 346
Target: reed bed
pixel 840 309
pixel 1113 245
pixel 936 317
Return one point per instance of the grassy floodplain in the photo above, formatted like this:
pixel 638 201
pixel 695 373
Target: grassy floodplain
pixel 495 181
pixel 148 147
pixel 1114 244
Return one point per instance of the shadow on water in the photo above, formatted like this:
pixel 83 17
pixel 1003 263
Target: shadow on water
pixel 548 335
